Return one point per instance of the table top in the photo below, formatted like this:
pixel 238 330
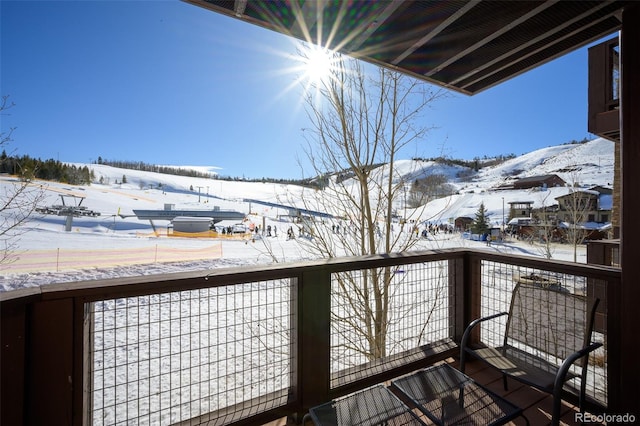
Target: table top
pixel 447 396
pixel 368 407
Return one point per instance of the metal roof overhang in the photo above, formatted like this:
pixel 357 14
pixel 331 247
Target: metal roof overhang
pixel 467 46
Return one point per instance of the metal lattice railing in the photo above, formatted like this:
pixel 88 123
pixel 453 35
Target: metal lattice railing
pixel 381 314
pixel 166 358
pixel 256 344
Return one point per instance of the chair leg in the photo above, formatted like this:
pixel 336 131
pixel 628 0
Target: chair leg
pixel 463 360
pixel 583 387
pixel 557 403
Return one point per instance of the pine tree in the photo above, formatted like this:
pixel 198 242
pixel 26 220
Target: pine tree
pixel 480 224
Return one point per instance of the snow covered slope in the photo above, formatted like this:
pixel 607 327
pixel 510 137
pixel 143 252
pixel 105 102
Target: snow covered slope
pixel 588 164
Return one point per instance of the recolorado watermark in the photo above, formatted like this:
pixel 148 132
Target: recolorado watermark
pixel 604 418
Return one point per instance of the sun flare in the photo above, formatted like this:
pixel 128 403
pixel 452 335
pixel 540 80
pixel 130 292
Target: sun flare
pixel 319 63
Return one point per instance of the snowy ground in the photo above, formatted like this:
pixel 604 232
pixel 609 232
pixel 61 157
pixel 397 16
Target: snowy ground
pixel 118 229
pixel 235 252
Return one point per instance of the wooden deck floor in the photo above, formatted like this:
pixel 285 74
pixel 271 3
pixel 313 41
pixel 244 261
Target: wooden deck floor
pixel 537 405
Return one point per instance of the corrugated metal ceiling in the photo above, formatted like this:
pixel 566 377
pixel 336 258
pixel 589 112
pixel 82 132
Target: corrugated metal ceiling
pixel 467 46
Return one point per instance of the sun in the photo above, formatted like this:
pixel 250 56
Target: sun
pixel 313 69
pixel 318 64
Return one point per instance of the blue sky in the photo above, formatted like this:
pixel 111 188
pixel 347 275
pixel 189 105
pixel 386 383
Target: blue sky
pixel 166 82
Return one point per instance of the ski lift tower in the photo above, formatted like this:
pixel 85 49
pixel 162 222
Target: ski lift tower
pixel 69 210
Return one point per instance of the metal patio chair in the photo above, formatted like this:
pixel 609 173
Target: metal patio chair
pixel 547 340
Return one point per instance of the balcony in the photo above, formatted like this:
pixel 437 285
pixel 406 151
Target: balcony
pixel 254 345
pixel 604 90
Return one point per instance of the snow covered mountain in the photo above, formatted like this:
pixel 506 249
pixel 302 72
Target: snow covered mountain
pixel 583 165
pixel 118 229
pixel 586 165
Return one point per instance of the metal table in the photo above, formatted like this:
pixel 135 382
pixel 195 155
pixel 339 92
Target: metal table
pixel 372 406
pixel 448 397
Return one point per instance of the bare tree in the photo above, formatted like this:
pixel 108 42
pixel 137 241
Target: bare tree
pixel 429 188
pixel 360 123
pixel 545 227
pixel 576 206
pixel 18 199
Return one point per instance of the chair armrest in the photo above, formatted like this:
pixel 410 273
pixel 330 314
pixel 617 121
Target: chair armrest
pixel 561 376
pixel 467 333
pixel 568 362
pixel 474 323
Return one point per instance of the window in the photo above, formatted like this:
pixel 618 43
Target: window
pixel 615 73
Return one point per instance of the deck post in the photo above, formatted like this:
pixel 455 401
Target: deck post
pixel 473 293
pixel 314 343
pixel 49 355
pixel 13 334
pixel 625 400
pixel 458 296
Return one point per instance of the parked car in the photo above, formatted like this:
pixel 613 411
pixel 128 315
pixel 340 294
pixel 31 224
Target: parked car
pixel 239 228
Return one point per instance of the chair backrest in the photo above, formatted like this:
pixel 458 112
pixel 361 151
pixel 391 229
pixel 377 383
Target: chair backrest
pixel 549 319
